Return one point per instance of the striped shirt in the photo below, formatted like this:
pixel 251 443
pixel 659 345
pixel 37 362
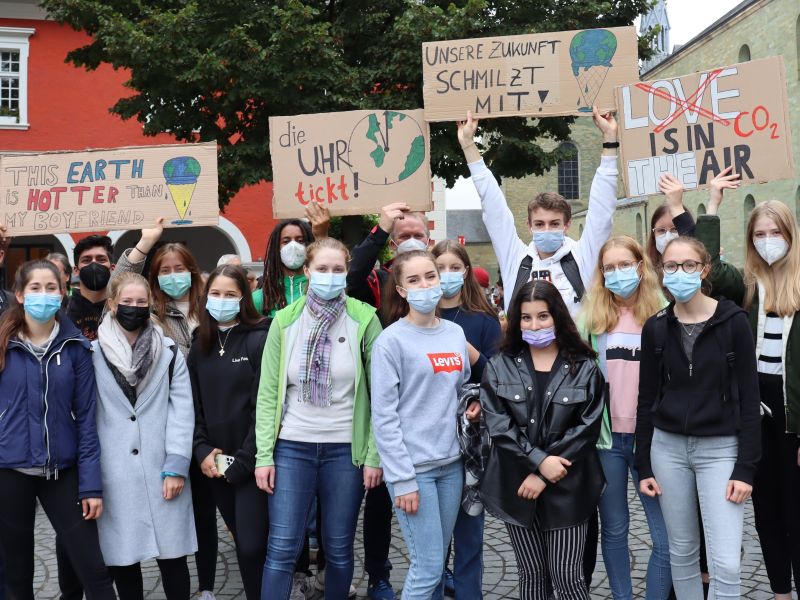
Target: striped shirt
pixel 770 360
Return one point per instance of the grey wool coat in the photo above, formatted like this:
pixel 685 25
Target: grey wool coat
pixel 136 446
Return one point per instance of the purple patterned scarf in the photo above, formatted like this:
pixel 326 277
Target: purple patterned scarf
pixel 315 365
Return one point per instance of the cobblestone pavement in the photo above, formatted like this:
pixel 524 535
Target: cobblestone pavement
pixel 500 571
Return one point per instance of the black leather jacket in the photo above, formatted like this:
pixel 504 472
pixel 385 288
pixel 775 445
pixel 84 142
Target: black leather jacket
pixel 523 434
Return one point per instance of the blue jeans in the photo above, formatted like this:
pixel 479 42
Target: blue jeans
pixel 303 470
pixel 688 468
pixel 615 522
pixel 427 533
pixel 468 560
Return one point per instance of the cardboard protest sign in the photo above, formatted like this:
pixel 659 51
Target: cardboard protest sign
pixel 537 75
pixel 697 125
pixel 352 162
pixel 120 188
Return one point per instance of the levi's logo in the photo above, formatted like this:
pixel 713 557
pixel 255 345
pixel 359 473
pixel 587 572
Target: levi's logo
pixel 445 362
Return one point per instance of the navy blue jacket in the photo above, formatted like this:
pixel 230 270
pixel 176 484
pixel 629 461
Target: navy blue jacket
pixel 47 409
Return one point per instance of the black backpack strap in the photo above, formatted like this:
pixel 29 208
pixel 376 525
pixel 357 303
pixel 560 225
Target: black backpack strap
pixel 730 380
pixel 660 339
pixel 174 349
pixel 523 275
pixel 573 275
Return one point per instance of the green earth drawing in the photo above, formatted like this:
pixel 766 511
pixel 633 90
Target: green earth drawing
pixel 386 147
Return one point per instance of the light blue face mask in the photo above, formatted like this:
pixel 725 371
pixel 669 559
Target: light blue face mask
pixel 622 283
pixel 42 307
pixel 548 241
pixel 682 286
pixel 327 285
pixel 223 309
pixel 451 283
pixel 424 300
pixel 175 285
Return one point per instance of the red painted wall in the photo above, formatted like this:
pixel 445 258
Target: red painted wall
pixel 68 109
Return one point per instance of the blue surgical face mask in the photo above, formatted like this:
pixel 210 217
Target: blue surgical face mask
pixel 539 338
pixel 424 300
pixel 42 307
pixel 451 283
pixel 622 283
pixel 327 285
pixel 682 286
pixel 548 241
pixel 175 285
pixel 223 309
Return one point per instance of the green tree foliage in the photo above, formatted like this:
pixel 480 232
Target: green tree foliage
pixel 217 70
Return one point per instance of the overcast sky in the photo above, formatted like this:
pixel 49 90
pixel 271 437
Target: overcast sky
pixel 687 18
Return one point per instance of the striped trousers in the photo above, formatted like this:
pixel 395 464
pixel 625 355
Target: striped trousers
pixel 550 560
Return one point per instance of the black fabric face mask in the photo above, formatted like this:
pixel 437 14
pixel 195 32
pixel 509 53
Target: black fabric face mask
pixel 95 276
pixel 132 318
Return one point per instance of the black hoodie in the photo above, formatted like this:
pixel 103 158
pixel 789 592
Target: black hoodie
pixel 225 389
pixel 85 314
pixel 695 397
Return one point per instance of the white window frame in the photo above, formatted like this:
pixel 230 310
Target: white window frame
pixel 16 39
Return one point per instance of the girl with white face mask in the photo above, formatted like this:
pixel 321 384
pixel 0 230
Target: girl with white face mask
pixel 283 280
pixel 419 364
pixel 769 289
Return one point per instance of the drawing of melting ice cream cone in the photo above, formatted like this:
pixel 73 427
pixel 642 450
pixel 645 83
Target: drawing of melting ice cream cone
pixel 591 52
pixel 181 175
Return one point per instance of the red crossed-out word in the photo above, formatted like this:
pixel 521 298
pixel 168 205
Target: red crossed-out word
pixel 688 104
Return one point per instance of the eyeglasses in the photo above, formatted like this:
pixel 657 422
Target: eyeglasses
pixel 688 266
pixel 663 230
pixel 624 266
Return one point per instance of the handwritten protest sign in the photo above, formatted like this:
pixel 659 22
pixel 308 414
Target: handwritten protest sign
pixel 539 75
pixel 351 162
pixel 97 190
pixel 696 125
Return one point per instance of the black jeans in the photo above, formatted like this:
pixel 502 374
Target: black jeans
pixel 776 490
pixel 174 578
pixel 2 578
pixel 378 513
pixel 205 525
pixel 244 510
pixel 590 551
pixel 68 581
pixel 59 499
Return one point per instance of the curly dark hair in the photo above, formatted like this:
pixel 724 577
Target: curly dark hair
pixel 272 281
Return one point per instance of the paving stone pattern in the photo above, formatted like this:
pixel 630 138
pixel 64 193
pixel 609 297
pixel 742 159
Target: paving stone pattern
pixel 500 570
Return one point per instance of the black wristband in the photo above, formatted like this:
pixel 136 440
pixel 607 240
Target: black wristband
pixel 610 145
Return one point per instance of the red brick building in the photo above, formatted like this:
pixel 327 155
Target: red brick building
pixel 47 104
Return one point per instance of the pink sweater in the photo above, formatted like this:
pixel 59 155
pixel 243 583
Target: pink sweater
pixel 623 352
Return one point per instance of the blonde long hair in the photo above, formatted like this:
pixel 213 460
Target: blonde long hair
pixel 781 281
pixel 601 310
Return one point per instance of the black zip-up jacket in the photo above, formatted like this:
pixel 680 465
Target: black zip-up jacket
pixel 224 389
pixel 696 398
pixel 362 263
pixel 524 433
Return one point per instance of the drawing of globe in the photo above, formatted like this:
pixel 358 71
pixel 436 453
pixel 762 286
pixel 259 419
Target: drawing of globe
pixel 386 147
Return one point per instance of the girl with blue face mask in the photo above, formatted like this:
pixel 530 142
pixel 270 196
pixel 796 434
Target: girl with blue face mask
pixel 313 431
pixel 626 291
pixel 50 448
pixel 224 364
pixel 697 421
pixel 464 303
pixel 419 364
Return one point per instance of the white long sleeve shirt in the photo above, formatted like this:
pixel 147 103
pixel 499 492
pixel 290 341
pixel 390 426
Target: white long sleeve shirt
pixel 510 249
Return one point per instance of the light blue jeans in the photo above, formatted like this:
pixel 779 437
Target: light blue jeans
pixel 615 521
pixel 427 533
pixel 688 468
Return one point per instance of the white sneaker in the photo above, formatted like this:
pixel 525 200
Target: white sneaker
pixel 319 585
pixel 299 587
pixel 206 595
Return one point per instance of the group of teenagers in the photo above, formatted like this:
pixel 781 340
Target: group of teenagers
pixel 142 403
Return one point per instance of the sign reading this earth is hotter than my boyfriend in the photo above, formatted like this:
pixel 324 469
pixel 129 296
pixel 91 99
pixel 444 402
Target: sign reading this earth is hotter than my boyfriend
pixel 351 162
pixel 98 190
pixel 697 125
pixel 535 75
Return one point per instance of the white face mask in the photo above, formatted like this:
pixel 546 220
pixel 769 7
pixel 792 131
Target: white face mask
pixel 293 255
pixel 411 244
pixel 663 240
pixel 771 249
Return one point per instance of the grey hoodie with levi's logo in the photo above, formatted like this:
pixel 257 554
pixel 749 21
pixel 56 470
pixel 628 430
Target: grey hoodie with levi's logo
pixel 417 374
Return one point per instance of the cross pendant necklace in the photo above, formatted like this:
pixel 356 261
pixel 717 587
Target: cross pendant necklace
pixel 221 343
